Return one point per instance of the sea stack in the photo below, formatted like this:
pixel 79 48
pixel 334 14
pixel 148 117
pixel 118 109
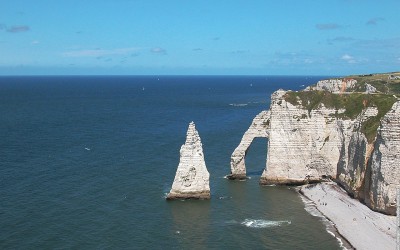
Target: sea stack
pixel 192 180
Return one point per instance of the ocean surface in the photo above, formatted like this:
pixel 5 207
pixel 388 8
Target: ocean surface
pixel 86 162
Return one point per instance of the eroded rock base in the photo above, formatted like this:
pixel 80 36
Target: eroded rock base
pixel 236 177
pixel 187 196
pixel 288 182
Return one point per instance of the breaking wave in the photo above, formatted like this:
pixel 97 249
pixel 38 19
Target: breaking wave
pixel 264 223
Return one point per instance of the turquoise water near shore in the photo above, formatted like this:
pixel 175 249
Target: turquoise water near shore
pixel 86 163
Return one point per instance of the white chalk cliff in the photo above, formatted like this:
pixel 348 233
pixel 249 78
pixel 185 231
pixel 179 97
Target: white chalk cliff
pixel 334 85
pixel 258 128
pixel 312 144
pixel 385 163
pixel 192 177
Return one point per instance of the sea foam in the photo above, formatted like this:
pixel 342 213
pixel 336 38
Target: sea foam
pixel 238 104
pixel 264 223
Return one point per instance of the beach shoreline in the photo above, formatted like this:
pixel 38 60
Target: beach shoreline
pixel 355 224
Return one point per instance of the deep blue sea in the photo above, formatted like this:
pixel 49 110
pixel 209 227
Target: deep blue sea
pixel 85 163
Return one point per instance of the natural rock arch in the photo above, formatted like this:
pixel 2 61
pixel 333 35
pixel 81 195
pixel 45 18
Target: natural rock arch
pixel 259 128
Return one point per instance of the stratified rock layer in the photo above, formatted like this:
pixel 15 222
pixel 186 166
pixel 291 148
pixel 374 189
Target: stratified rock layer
pixel 302 144
pixel 310 145
pixel 191 178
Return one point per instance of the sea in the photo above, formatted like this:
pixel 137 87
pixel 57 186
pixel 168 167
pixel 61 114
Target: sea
pixel 86 163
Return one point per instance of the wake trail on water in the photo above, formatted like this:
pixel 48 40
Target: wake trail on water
pixel 238 104
pixel 260 223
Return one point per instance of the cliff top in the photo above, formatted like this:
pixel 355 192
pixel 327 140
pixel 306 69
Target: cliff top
pixel 388 83
pixel 353 94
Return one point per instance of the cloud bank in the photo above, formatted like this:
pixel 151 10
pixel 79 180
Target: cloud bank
pixel 348 58
pixel 159 51
pixel 100 52
pixel 18 29
pixel 375 20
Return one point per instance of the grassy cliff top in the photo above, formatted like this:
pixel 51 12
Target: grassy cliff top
pixel 388 83
pixel 353 103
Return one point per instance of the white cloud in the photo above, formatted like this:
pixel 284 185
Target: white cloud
pixel 158 50
pixel 348 58
pixel 100 52
pixel 308 60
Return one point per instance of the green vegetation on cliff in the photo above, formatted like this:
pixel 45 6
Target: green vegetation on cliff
pixel 388 83
pixel 352 103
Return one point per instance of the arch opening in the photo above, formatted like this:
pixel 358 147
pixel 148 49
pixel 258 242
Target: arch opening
pixel 256 157
pixel 259 128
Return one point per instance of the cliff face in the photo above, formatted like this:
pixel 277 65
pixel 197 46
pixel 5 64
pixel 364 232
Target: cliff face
pixel 352 167
pixel 192 179
pixel 309 142
pixel 303 146
pixel 385 164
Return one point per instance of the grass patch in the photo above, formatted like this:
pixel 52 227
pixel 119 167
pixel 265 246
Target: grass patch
pixel 352 103
pixel 384 103
pixel 395 87
pixel 381 82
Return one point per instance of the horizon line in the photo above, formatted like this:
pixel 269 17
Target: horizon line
pixel 166 75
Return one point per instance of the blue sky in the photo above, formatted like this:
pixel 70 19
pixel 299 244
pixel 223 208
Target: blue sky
pixel 307 37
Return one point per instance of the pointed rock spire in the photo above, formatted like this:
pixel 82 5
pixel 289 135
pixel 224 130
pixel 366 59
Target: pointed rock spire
pixel 192 180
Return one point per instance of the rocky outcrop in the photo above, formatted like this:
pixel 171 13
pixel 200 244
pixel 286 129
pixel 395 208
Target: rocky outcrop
pixel 369 89
pixel 312 142
pixel 334 85
pixel 192 178
pixel 258 128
